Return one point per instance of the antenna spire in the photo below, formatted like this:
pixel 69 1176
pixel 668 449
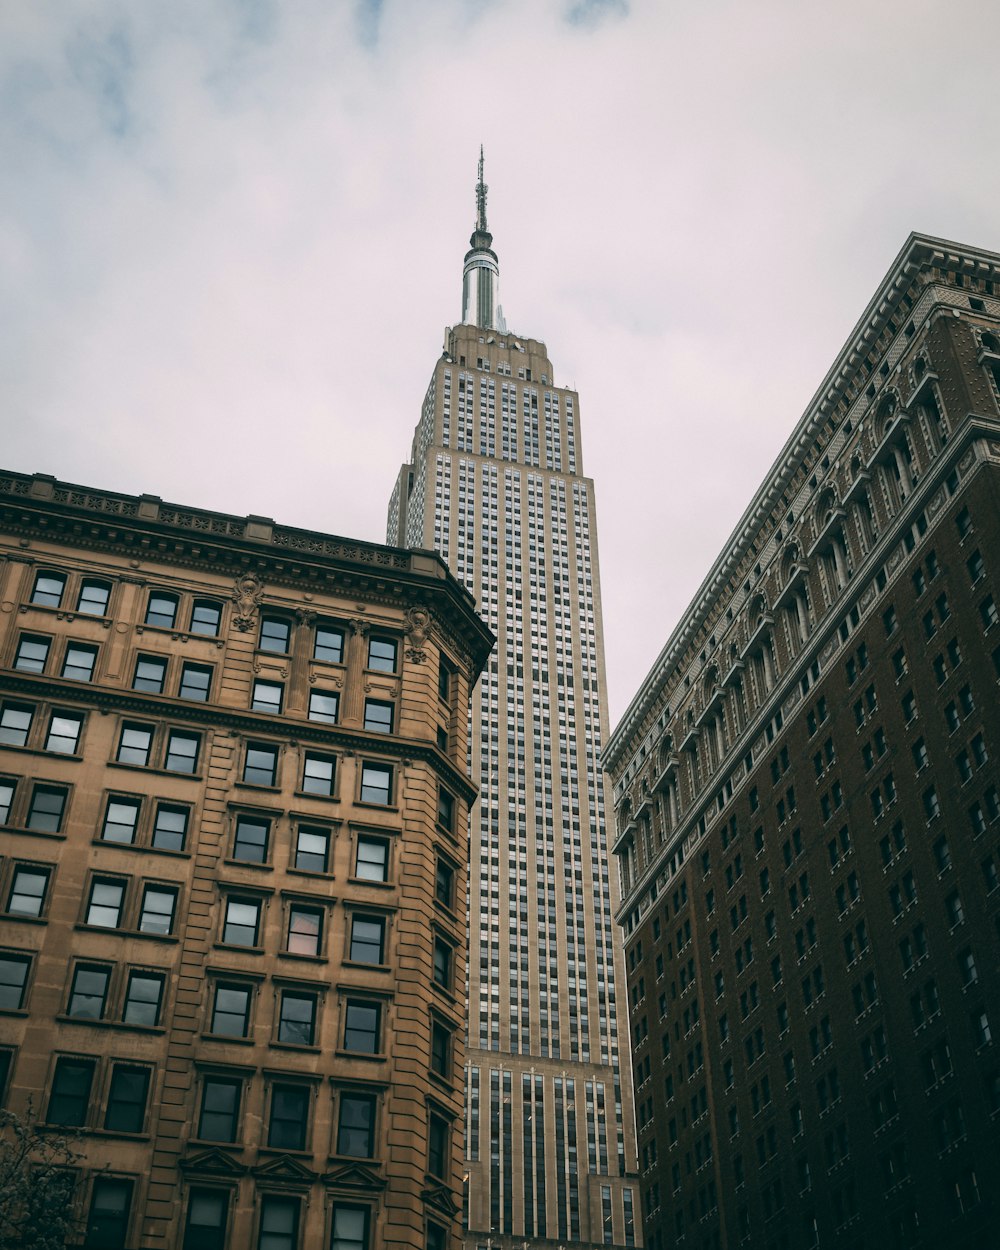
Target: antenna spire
pixel 481 189
pixel 481 273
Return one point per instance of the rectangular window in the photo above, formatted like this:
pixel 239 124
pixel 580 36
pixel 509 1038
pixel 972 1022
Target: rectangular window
pixel 440 1049
pixel 143 998
pixel 312 849
pixel 446 810
pixel 88 994
pixel 362 1022
pixel 350 1228
pixel 376 783
pixel 135 744
pixel 242 922
pixel 70 1092
pixel 261 765
pixel 170 827
pixel 305 930
pixel 126 1108
pixel 382 654
pixel 318 773
pixel 161 609
pixel 231 1010
pixel 158 907
pixel 94 596
pixel 279 1223
pixel 275 634
pixel 323 705
pixel 268 696
pixel 442 963
pixel 379 716
pixel 372 863
pixel 14 971
pixel 64 733
pixel 48 590
pixel 107 899
pixel 297 1018
pixel 32 654
pixel 150 674
pixel 182 752
pixel 205 618
pixel 251 838
pixel 108 1217
pixel 437 1145
pixel 120 821
pixel 27 891
pixel 45 815
pixel 289 1117
pixel 329 644
pixel 444 882
pixel 367 940
pixel 79 661
pixel 220 1109
pixel 196 679
pixel 356 1125
pixel 7 789
pixel 15 722
pixel 207 1214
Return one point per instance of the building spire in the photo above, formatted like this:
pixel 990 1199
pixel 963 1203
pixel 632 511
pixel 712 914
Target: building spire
pixel 481 275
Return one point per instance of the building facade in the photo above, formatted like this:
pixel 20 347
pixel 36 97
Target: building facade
pixel 808 815
pixel 495 484
pixel 233 818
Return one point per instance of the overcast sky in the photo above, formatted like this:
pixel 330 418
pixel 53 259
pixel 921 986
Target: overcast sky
pixel 231 236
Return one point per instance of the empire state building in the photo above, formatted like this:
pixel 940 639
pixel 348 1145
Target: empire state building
pixel 495 483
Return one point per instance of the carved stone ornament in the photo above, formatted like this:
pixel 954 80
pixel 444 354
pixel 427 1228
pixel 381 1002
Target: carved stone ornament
pixel 359 627
pixel 417 628
pixel 247 596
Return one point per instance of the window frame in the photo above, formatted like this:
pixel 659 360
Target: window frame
pixel 42 598
pixel 356 1098
pixel 382 662
pixel 233 1083
pixel 152 616
pixel 236 899
pixel 366 788
pixel 260 748
pixel 349 1030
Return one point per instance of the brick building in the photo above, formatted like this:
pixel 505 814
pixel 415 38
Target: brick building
pixel 808 815
pixel 233 818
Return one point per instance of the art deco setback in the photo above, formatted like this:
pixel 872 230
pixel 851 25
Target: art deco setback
pixel 233 817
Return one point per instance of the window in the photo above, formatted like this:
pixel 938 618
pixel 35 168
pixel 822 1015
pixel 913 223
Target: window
pixel 150 674
pixel 205 1228
pixel 126 1108
pixel 48 590
pixel 318 773
pixel 231 1010
pixel 323 705
pixel 182 752
pixel 106 901
pixel 279 1223
pixel 260 767
pixel 446 810
pixel 250 840
pixel 312 849
pixel 367 940
pixel 220 1108
pixel 382 654
pixel 170 827
pixel 362 1022
pixel 437 1145
pixel 143 998
pixel 440 1049
pixel 64 733
pixel 305 930
pixel 967 968
pixel 242 922
pixel 161 609
pixel 297 1018
pixel 94 596
pixel 7 789
pixel 378 716
pixel 372 862
pixel 108 1217
pixel 350 1228
pixel 32 654
pixel 13 981
pixel 120 820
pixel 205 618
pixel 289 1117
pixel 89 992
pixel 15 721
pixel 158 906
pixel 445 677
pixel 376 783
pixel 135 744
pixel 196 680
pixel 441 970
pixel 275 634
pixel 356 1125
pixel 329 643
pixel 444 882
pixel 268 696
pixel 79 661
pixel 27 891
pixel 46 811
pixel 70 1092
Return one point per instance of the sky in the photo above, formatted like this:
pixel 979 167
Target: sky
pixel 232 231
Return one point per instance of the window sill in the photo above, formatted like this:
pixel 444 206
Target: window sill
pixel 170 938
pixel 376 885
pixel 254 864
pixel 149 769
pixel 141 847
pixel 301 957
pixel 227 1039
pixel 258 786
pixel 12 915
pixel 112 1024
pixel 300 1048
pixel 357 963
pixel 316 794
pixel 363 1055
pixel 33 833
pixel 242 950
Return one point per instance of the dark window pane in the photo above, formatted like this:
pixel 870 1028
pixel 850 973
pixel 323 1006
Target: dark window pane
pixel 64 733
pixel 170 828
pixel 207 1214
pixel 373 859
pixel 15 721
pixel 329 644
pixel 367 936
pixel 120 821
pixel 107 1221
pixel 279 1223
pixel 356 1126
pixel 437 1145
pixel 205 618
pixel 48 589
pixel 94 598
pixel 182 752
pixel 376 783
pixel 70 1092
pixel 126 1110
pixel 158 905
pixel 89 992
pixel 378 716
pixel 440 1049
pixel 361 1029
pixel 13 979
pixel 195 682
pixel 79 662
pixel 296 1023
pixel 27 891
pixel 382 654
pixel 268 696
pixel 446 810
pixel 442 963
pixel 323 706
pixel 289 1117
pixel 274 634
pixel 250 841
pixel 350 1228
pixel 220 1108
pixel 143 998
pixel 444 883
pixel 231 1010
pixel 162 610
pixel 318 774
pixel 261 765
pixel 135 744
pixel 150 674
pixel 46 811
pixel 242 922
pixel 312 849
pixel 7 789
pixel 105 906
pixel 32 654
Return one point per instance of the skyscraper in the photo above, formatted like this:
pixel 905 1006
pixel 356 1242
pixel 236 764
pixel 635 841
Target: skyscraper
pixel 495 484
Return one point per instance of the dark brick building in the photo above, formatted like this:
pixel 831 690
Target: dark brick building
pixel 807 796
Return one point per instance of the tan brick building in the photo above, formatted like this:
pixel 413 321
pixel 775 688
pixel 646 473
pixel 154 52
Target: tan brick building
pixel 233 827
